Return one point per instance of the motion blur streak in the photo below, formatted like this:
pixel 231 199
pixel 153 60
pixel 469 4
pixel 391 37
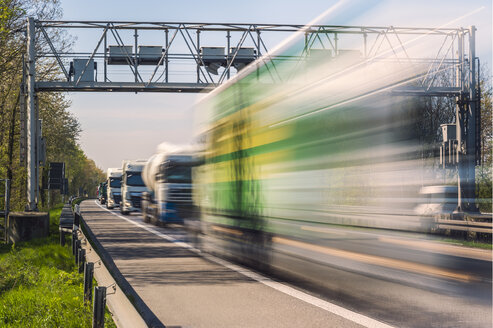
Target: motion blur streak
pixel 315 165
pixel 478 254
pixel 397 264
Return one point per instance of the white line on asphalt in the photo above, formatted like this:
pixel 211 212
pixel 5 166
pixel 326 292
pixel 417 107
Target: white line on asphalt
pixel 335 309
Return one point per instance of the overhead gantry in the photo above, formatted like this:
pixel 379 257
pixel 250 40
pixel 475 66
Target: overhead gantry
pixel 115 56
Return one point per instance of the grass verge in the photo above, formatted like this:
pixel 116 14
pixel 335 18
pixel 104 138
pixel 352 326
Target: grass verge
pixel 468 243
pixel 40 285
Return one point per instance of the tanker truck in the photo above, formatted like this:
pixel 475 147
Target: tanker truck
pixel 132 185
pixel 167 174
pixel 113 181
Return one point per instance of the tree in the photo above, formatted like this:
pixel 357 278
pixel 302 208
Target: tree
pixel 60 127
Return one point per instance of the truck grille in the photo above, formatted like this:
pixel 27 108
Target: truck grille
pixel 136 201
pixel 117 199
pixel 180 195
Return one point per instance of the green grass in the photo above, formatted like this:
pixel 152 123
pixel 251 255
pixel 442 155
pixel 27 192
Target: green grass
pixel 467 243
pixel 40 285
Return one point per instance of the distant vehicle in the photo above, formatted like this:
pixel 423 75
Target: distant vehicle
pixel 168 175
pixel 113 181
pixel 437 200
pixel 132 186
pixel 102 192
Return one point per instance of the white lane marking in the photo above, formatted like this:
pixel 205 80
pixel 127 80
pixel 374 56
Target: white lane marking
pixel 327 306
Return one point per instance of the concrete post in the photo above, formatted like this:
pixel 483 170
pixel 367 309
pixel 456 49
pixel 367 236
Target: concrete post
pixel 31 117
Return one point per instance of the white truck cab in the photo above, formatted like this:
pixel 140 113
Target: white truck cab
pixel 132 186
pixel 113 179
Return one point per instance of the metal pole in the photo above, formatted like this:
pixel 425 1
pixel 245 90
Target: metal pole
pixel 74 238
pixel 259 54
pixel 81 259
pixel 105 57
pixel 31 116
pixel 76 224
pixel 37 152
pixel 88 276
pixel 459 126
pixel 471 125
pixel 62 236
pixel 23 118
pixel 76 251
pixel 335 44
pixel 98 307
pixel 228 37
pixel 135 58
pixel 198 54
pixel 166 56
pixel 365 46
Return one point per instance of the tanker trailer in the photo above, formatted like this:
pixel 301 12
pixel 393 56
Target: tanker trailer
pixel 167 174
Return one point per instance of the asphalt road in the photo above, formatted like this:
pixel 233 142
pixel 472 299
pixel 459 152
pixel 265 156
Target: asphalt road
pixel 187 288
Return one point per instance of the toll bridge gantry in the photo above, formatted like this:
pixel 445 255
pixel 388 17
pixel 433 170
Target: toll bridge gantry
pixel 197 57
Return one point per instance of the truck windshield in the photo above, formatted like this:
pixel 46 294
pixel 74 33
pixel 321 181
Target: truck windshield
pixel 179 174
pixel 115 182
pixel 134 179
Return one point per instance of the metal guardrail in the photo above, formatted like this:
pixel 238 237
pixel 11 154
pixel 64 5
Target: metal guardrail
pixel 467 225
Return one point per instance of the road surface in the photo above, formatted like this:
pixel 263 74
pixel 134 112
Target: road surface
pixel 187 288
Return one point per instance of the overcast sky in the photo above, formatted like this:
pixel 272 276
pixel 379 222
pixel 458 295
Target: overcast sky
pixel 120 126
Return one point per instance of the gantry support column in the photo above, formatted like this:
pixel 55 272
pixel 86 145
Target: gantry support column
pixel 466 128
pixel 471 108
pixel 31 117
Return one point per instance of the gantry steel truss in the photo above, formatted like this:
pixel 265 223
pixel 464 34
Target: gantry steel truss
pixel 181 66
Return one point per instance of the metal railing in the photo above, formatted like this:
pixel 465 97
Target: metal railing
pixel 477 223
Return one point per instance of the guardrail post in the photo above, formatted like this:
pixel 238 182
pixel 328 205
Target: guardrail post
pixel 81 259
pixel 62 238
pixel 98 307
pixel 88 276
pixel 77 247
pixel 76 220
pixel 74 238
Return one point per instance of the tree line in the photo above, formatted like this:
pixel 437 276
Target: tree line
pixel 61 128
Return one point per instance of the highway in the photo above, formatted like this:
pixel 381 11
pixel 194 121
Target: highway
pixel 359 279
